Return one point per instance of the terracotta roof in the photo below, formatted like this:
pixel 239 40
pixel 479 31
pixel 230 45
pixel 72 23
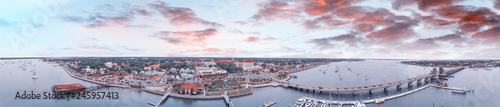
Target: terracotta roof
pixel 193 87
pixel 247 61
pixel 71 86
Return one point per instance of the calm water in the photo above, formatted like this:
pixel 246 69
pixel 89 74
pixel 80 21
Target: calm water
pixel 487 88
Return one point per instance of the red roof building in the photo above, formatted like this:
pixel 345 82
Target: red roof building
pixel 190 88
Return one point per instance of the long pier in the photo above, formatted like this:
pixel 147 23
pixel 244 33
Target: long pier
pixel 228 101
pixel 163 98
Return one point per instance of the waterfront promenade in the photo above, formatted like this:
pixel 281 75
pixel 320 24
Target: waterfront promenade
pixel 70 72
pixel 155 92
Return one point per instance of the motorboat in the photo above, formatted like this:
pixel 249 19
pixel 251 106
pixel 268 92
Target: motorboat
pixel 308 103
pixel 301 100
pixel 379 101
pixel 315 103
pixel 35 77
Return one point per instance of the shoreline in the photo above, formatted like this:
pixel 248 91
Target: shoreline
pixel 175 95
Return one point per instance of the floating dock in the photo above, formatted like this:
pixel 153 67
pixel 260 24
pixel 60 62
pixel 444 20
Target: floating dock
pixel 269 104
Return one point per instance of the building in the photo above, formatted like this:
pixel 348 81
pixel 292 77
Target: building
pixel 151 67
pixel 247 64
pixel 211 72
pixel 108 64
pixel 191 89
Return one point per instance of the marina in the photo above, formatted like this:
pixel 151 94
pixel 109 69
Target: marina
pixel 373 100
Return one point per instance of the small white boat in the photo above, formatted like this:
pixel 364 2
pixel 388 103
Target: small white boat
pixel 35 77
pixel 459 91
pixel 308 103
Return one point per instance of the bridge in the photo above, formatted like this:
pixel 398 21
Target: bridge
pixel 375 100
pixel 163 98
pixel 398 84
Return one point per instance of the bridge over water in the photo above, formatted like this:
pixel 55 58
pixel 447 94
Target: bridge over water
pixel 398 84
pixel 319 89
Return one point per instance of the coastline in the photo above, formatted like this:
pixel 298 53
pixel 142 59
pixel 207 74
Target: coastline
pixel 175 95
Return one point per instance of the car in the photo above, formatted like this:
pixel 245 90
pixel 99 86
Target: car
pixel 320 87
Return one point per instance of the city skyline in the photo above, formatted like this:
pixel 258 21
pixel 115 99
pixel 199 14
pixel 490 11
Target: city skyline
pixel 377 29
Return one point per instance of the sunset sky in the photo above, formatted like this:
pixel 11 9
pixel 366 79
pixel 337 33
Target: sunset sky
pixel 381 29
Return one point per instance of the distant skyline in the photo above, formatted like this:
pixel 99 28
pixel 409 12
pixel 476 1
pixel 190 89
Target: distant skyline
pixel 375 29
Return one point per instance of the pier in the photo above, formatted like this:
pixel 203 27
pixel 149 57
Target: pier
pixel 94 88
pixel 375 100
pixel 163 98
pixel 454 88
pixel 228 101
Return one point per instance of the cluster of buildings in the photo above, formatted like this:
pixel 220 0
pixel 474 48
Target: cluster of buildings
pixel 191 70
pixel 211 72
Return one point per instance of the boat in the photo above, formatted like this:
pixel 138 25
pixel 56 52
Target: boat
pixel 438 83
pixel 379 101
pixel 35 77
pixel 308 103
pixel 300 103
pixel 459 91
pixel 315 103
pixel 323 105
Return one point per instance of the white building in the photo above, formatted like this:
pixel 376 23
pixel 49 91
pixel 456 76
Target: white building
pixel 247 64
pixel 108 64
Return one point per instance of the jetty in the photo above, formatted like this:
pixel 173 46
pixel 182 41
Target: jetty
pixel 163 98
